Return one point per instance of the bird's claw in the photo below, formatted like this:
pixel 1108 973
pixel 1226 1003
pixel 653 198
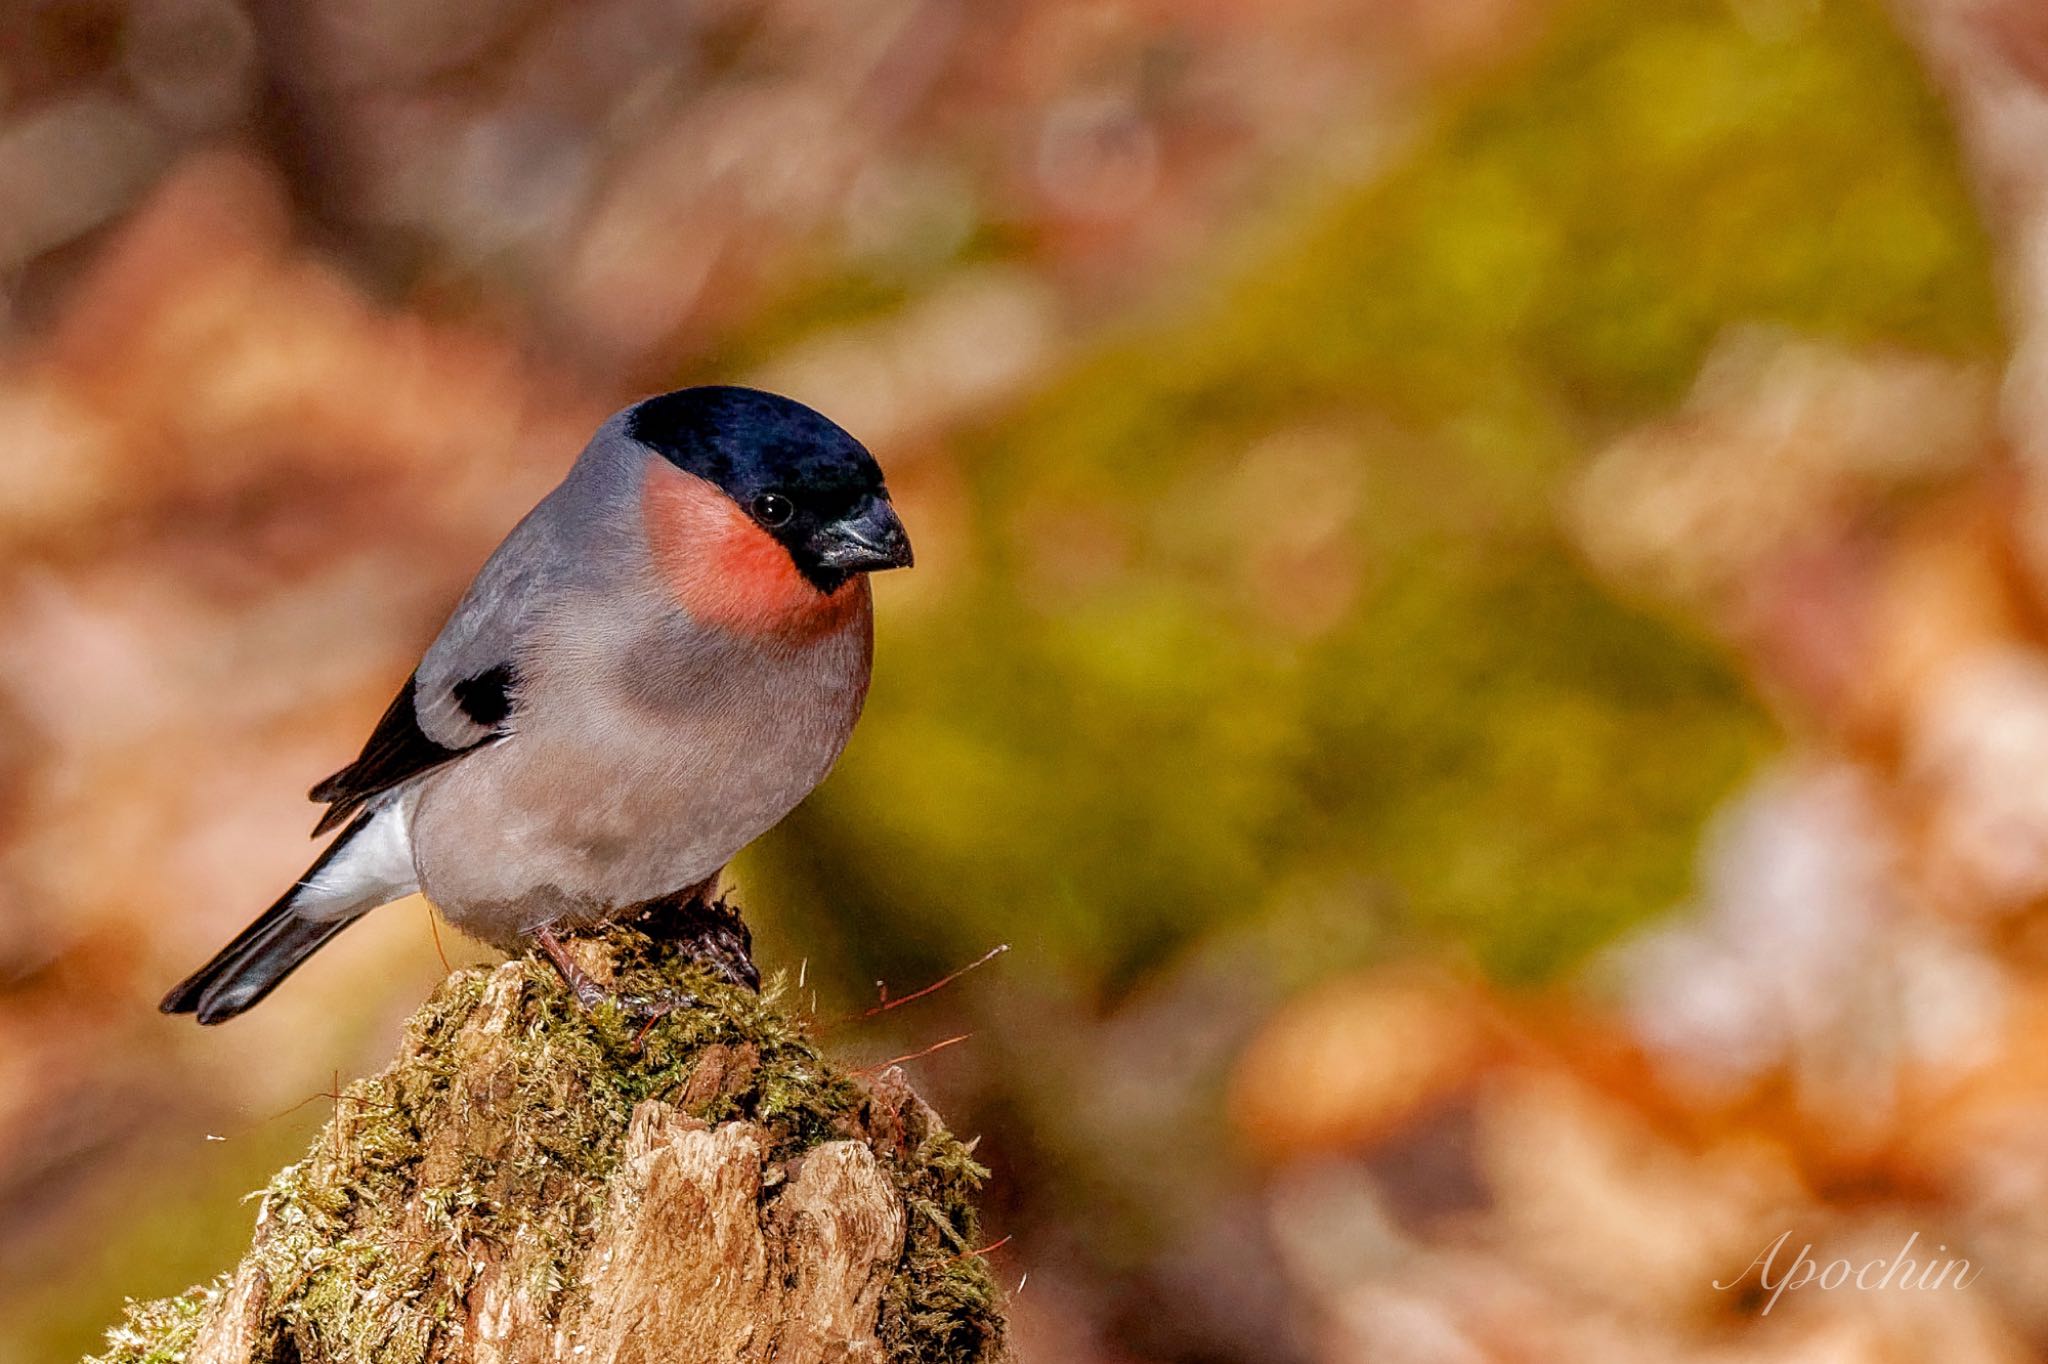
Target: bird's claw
pixel 589 994
pixel 648 1009
pixel 707 931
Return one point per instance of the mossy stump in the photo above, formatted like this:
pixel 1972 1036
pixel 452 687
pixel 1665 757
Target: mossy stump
pixel 529 1182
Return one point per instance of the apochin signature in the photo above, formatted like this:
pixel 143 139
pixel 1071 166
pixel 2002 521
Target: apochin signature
pixel 1872 1276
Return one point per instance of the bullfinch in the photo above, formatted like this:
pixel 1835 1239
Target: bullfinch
pixel 660 661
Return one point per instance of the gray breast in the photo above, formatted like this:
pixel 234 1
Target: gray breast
pixel 646 753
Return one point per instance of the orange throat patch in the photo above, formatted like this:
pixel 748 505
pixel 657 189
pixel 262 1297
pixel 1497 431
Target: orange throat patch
pixel 726 571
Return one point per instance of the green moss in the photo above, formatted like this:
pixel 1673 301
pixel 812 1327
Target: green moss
pixel 159 1332
pixel 482 1152
pixel 943 1307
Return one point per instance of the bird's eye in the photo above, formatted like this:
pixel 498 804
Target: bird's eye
pixel 773 509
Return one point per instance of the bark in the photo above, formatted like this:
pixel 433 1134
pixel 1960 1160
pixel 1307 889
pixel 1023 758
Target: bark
pixel 527 1182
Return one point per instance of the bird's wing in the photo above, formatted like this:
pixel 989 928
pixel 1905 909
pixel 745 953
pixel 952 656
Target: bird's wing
pixel 463 694
pixel 400 748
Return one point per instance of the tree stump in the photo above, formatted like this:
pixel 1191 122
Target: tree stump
pixel 528 1182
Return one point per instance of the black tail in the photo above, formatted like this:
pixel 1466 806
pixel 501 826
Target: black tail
pixel 261 955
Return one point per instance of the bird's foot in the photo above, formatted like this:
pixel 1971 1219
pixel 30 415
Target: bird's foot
pixel 650 1008
pixel 589 994
pixel 709 932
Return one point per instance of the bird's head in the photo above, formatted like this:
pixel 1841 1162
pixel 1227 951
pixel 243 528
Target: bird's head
pixel 758 510
pixel 760 515
pixel 797 477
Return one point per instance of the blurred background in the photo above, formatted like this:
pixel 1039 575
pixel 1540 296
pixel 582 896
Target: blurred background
pixel 1481 621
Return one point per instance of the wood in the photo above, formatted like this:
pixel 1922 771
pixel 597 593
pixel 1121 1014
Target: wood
pixel 529 1183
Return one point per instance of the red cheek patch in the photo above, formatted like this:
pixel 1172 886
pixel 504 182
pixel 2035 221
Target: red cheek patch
pixel 725 570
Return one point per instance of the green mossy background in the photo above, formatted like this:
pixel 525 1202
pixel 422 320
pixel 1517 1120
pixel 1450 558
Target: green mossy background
pixel 1127 757
pixel 469 1151
pixel 1109 752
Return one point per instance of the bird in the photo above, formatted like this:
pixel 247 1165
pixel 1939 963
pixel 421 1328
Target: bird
pixel 657 664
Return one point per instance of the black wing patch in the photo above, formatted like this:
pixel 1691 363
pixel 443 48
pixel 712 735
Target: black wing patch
pixel 487 697
pixel 398 749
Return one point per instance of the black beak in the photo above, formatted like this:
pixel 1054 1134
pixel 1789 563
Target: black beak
pixel 865 540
